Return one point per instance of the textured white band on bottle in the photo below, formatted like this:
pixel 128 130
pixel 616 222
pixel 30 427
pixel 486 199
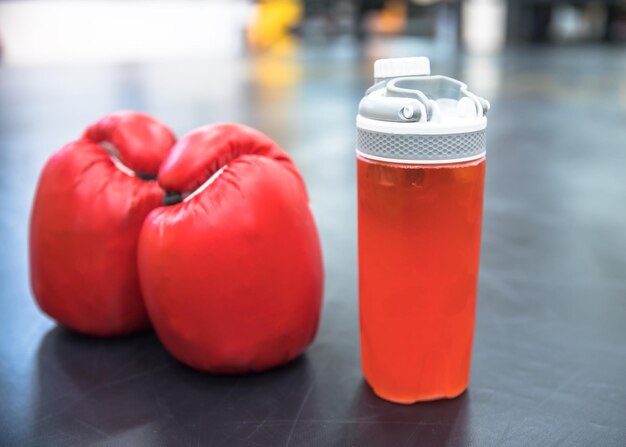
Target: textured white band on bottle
pixel 406 148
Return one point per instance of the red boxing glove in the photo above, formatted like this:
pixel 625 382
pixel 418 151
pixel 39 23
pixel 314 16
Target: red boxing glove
pixel 232 276
pixel 90 204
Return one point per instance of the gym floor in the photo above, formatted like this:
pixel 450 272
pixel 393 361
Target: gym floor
pixel 549 359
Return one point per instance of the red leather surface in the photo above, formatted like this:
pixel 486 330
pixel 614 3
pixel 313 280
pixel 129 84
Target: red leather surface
pixel 232 277
pixel 85 222
pixel 141 141
pixel 203 151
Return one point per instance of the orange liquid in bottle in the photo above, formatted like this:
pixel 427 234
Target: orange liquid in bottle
pixel 419 246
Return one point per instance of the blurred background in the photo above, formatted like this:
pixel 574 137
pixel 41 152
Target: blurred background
pixel 552 264
pixel 109 31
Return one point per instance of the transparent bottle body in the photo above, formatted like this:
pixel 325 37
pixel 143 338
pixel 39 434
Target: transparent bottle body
pixel 419 247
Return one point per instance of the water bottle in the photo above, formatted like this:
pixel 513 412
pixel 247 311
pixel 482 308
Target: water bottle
pixel 420 169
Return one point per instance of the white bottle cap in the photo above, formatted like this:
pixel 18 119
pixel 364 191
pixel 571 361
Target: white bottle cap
pixel 401 66
pixel 408 116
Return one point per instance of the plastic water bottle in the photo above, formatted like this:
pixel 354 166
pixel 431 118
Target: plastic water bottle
pixel 421 168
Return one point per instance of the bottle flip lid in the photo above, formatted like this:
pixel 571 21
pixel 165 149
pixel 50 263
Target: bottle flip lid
pixel 410 116
pixel 401 66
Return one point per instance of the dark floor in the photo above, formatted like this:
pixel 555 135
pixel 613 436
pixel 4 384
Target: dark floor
pixel 549 364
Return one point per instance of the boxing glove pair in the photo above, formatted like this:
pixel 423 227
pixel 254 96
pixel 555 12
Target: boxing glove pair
pixel 210 239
